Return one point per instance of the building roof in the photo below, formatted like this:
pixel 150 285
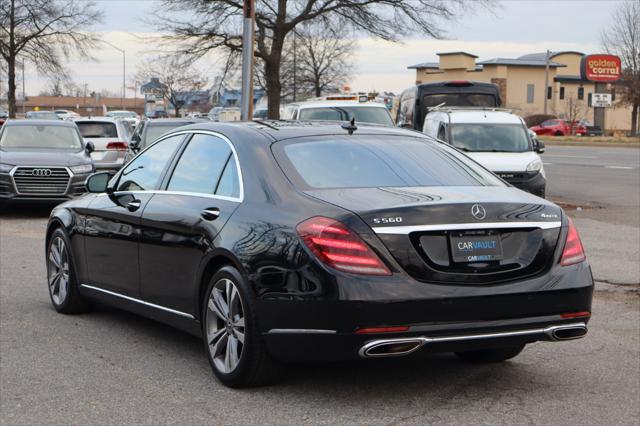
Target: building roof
pixel 542 56
pixel 70 102
pixel 434 66
pixel 569 79
pixel 521 62
pixel 456 53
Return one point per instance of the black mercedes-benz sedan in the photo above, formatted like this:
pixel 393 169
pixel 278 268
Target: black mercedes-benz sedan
pixel 287 241
pixel 42 160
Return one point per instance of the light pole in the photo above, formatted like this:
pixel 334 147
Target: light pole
pixel 246 102
pixel 124 74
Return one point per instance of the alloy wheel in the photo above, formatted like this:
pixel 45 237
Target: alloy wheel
pixel 225 325
pixel 58 270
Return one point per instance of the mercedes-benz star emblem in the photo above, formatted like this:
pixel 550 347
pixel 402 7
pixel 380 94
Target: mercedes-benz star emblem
pixel 41 172
pixel 478 211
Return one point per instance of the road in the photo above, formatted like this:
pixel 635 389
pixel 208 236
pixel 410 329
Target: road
pixel 111 367
pixel 595 176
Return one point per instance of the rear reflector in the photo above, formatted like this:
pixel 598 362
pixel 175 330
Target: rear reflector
pixel 374 330
pixel 117 146
pixel 573 251
pixel 459 83
pixel 576 315
pixel 339 247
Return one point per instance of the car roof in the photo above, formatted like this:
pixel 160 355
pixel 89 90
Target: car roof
pixel 479 116
pixel 98 119
pixel 329 104
pixel 173 121
pixel 36 122
pixel 277 130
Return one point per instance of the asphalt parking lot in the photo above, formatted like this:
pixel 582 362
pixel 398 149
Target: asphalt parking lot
pixel 111 367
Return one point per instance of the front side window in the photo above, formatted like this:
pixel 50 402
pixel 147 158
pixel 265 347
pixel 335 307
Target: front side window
pixel 377 161
pixel 40 137
pixel 207 166
pixel 481 137
pixel 145 171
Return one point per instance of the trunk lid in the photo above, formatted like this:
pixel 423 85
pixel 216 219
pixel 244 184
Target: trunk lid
pixel 420 225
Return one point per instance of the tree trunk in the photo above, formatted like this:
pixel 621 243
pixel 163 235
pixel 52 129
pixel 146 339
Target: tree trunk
pixel 11 94
pixel 272 70
pixel 634 119
pixel 318 89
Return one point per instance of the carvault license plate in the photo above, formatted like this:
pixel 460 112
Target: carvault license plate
pixel 475 248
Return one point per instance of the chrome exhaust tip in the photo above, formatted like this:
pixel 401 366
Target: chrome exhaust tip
pixel 391 347
pixel 567 332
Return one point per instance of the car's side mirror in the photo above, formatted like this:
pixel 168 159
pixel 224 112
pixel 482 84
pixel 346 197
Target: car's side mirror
pixel 540 147
pixel 89 147
pixel 97 183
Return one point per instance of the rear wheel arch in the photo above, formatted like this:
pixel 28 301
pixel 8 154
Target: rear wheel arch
pixel 212 266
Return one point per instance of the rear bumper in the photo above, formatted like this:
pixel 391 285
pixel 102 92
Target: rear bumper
pixel 309 330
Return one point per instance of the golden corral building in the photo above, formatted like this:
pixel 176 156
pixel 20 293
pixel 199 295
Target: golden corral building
pixel 522 81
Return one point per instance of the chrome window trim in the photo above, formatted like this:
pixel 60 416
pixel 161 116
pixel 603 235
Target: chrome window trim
pixel 66 191
pixel 464 226
pixel 300 331
pixel 133 299
pixel 238 199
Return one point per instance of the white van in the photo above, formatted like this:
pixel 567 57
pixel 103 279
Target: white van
pixel 497 139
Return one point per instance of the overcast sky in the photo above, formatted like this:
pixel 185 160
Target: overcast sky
pixel 511 29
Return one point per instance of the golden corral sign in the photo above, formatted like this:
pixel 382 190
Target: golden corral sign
pixel 601 68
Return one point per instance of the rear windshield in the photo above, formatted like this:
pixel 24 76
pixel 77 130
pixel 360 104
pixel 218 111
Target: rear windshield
pixel 97 129
pixel 483 137
pixel 371 115
pixel 41 136
pixel 460 99
pixel 377 161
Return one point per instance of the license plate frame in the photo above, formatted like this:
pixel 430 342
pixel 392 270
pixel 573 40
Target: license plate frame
pixel 474 248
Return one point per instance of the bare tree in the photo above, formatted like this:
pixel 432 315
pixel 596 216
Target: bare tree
pixel 177 78
pixel 622 38
pixel 326 60
pixel 218 25
pixel 44 32
pixel 60 85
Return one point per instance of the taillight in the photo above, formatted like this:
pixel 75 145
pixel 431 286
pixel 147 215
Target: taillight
pixel 118 146
pixel 573 251
pixel 339 247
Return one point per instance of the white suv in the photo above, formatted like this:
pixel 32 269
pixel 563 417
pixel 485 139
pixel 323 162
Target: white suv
pixel 363 112
pixel 497 139
pixel 109 137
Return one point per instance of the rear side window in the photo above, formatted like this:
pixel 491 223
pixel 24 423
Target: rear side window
pixel 346 113
pixel 378 161
pixel 97 129
pixel 207 166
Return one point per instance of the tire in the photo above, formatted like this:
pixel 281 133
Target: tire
pixel 61 276
pixel 491 355
pixel 234 346
pixel 558 133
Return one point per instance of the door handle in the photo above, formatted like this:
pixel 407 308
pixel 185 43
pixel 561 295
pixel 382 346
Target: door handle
pixel 133 205
pixel 210 214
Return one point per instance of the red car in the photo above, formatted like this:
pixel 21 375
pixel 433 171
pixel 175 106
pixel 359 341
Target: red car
pixel 559 127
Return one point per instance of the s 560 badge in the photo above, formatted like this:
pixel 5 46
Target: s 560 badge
pixel 378 220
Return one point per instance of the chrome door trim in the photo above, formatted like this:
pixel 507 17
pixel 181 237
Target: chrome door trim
pixel 300 331
pixel 238 199
pixel 133 299
pixel 463 226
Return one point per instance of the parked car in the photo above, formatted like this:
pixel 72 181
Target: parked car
pixel 363 112
pixel 4 114
pixel 150 130
pixel 41 115
pixel 129 116
pixel 559 127
pixel 261 114
pixel 158 114
pixel 498 140
pixel 593 130
pixel 42 160
pixel 65 114
pixel 415 102
pixel 214 113
pixel 110 139
pixel 302 241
